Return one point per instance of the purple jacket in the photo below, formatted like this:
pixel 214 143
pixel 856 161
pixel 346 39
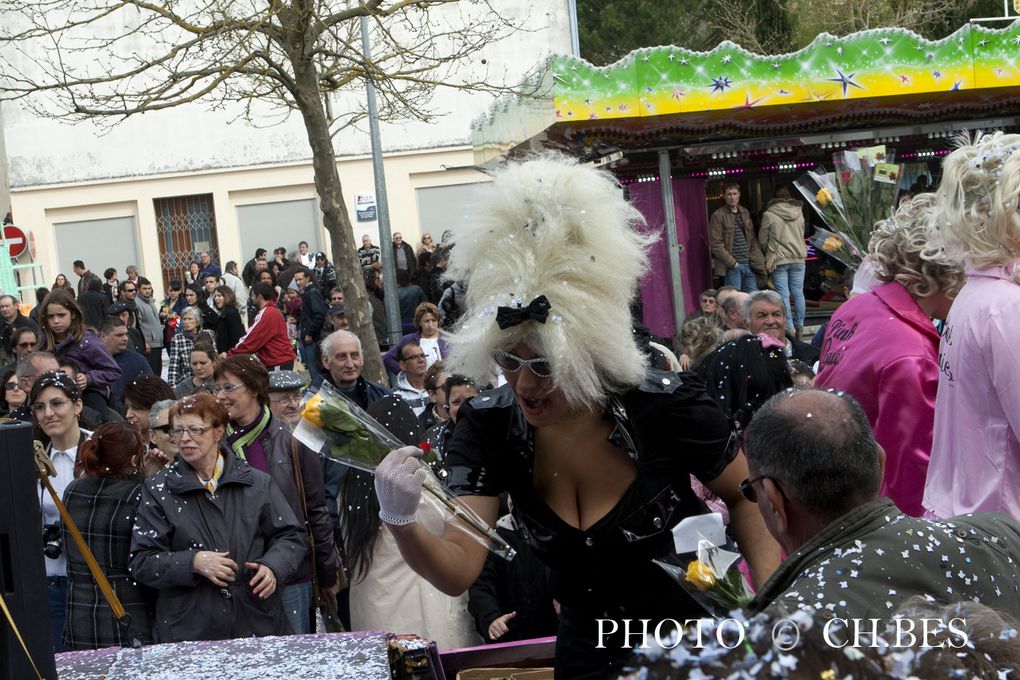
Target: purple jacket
pixel 391 358
pixel 882 349
pixel 975 456
pixel 92 358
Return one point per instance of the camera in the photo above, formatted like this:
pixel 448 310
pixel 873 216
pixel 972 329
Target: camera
pixel 53 540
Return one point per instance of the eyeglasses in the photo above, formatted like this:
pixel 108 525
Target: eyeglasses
pixel 226 389
pixel 193 432
pixel 39 407
pixel 25 345
pixel 414 356
pixel 130 290
pixel 748 492
pixel 10 385
pixel 294 398
pixel 165 429
pixel 540 366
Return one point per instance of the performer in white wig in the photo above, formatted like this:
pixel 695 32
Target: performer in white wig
pixel 560 241
pixel 976 445
pixel 595 450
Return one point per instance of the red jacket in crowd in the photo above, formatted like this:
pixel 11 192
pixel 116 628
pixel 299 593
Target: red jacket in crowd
pixel 267 339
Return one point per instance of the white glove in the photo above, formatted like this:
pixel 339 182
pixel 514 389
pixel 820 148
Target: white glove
pixel 398 480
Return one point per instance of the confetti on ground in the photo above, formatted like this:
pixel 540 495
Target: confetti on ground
pixel 339 656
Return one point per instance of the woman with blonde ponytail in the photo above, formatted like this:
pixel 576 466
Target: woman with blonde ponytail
pixel 976 446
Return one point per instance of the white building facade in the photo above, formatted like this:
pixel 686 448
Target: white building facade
pixel 160 187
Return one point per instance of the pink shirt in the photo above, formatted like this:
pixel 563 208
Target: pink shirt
pixel 883 350
pixel 975 460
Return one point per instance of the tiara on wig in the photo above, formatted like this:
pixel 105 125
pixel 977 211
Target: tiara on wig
pixel 976 202
pixel 551 259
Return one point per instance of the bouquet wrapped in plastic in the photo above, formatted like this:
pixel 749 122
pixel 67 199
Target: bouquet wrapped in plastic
pixel 344 433
pixel 860 192
pixel 706 566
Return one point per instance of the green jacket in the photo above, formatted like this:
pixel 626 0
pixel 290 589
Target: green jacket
pixel 867 562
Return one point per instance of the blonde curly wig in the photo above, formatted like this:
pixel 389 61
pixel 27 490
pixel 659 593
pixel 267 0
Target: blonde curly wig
pixel 976 202
pixel 550 226
pixel 905 249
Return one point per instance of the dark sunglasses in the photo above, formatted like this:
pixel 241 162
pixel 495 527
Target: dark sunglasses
pixel 748 492
pixel 165 429
pixel 10 385
pixel 540 366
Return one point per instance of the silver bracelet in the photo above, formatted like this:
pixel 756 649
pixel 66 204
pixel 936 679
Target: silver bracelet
pixel 397 520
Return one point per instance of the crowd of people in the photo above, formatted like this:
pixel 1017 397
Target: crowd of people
pixel 841 470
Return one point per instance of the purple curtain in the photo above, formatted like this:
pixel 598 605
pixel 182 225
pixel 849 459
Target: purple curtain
pixel 691 233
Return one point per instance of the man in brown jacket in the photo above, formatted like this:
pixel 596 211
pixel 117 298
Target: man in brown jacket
pixel 736 252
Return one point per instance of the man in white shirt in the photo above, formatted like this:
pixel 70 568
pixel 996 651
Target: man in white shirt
pixel 306 258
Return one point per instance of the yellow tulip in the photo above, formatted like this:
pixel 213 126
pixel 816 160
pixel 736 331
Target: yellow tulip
pixel 832 244
pixel 313 411
pixel 700 575
pixel 824 196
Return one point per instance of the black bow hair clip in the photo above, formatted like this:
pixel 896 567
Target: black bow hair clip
pixel 537 310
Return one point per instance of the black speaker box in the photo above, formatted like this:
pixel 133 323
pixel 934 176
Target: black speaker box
pixel 22 571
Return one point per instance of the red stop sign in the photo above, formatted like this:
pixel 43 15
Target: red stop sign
pixel 16 240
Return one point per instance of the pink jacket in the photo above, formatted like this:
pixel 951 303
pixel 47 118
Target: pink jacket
pixel 881 349
pixel 975 459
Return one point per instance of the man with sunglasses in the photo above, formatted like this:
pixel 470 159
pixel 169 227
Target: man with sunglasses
pixel 814 472
pixel 11 318
pixel 411 379
pixel 159 431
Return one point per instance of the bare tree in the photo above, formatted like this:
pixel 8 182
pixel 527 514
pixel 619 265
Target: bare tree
pixel 761 26
pixel 111 59
pixel 930 18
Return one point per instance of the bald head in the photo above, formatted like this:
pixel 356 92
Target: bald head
pixel 819 447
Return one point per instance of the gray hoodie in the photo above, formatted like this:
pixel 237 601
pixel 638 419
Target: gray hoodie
pixel 148 320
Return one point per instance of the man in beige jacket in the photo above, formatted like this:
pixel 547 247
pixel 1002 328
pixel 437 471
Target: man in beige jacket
pixel 734 247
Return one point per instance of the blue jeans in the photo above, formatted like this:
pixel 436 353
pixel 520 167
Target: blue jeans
pixel 789 280
pixel 310 358
pixel 57 587
pixel 743 278
pixel 297 601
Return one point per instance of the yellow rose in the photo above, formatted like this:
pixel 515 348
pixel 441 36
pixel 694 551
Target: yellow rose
pixel 824 196
pixel 312 411
pixel 832 244
pixel 700 575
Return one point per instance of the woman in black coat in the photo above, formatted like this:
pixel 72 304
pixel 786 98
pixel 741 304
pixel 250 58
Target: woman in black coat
pixel 229 329
pixel 214 536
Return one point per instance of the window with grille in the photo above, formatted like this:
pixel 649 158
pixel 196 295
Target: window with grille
pixel 186 226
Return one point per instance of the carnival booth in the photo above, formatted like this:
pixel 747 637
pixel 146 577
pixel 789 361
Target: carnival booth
pixel 677 125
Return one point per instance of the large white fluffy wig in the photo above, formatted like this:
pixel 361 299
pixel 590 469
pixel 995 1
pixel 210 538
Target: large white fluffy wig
pixel 550 226
pixel 976 202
